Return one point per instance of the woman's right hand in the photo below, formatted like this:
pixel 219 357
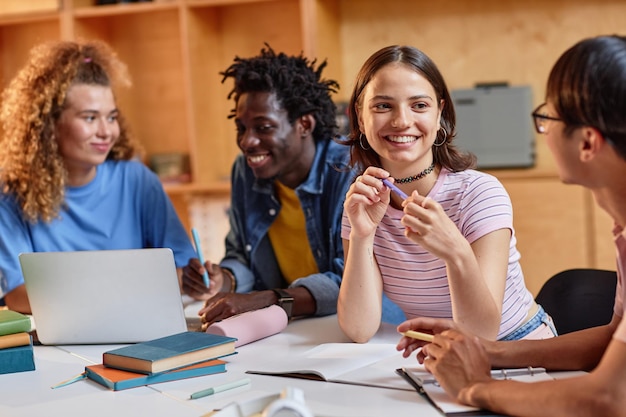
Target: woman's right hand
pixel 366 201
pixel 193 282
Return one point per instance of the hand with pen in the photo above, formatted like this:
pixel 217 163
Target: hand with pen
pixel 456 358
pixel 220 301
pixel 426 222
pixel 193 281
pixel 366 201
pixel 202 280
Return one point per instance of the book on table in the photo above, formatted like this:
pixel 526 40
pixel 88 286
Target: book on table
pixel 15 339
pixel 426 384
pixel 13 322
pixel 170 352
pixel 368 364
pixel 117 379
pixel 17 359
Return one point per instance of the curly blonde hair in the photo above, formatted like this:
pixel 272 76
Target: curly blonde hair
pixel 31 168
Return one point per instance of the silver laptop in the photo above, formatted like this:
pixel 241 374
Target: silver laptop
pixel 102 297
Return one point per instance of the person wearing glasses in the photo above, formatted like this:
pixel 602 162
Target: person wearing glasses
pixel 584 126
pixel 438 240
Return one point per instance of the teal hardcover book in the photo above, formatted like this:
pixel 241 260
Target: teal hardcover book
pixel 117 379
pixel 170 352
pixel 17 359
pixel 13 322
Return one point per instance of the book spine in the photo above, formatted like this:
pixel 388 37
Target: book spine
pixel 15 339
pixel 17 359
pixel 15 326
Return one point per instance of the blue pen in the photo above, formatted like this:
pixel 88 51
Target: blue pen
pixel 196 241
pixel 395 189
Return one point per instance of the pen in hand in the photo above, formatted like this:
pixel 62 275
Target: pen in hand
pixel 196 241
pixel 219 388
pixel 425 337
pixel 395 189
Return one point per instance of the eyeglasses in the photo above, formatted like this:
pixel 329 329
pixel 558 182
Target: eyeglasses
pixel 541 119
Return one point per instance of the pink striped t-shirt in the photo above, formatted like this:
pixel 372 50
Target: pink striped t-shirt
pixel 417 281
pixel 620 291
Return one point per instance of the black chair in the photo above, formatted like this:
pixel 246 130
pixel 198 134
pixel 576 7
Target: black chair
pixel 579 298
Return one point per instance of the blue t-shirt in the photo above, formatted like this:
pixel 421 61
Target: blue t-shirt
pixel 124 207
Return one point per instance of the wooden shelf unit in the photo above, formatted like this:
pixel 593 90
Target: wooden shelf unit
pixel 175 50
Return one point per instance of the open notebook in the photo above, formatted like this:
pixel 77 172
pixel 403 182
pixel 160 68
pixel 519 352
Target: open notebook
pixel 370 364
pixel 102 297
pixel 427 385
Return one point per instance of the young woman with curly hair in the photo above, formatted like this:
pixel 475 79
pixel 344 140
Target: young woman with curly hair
pixel 69 175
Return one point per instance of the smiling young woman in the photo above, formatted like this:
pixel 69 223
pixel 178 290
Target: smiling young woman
pixel 448 249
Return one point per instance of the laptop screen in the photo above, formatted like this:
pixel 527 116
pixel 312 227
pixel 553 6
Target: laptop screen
pixel 101 297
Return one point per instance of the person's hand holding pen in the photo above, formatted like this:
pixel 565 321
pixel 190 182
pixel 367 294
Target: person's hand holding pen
pixel 193 279
pixel 457 359
pixel 420 332
pixel 196 241
pixel 367 201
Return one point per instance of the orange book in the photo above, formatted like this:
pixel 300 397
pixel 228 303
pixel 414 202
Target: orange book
pixel 117 379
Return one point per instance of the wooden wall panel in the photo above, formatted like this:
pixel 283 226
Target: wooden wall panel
pixel 551 228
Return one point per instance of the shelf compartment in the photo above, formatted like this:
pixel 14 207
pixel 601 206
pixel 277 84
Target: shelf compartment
pixel 149 43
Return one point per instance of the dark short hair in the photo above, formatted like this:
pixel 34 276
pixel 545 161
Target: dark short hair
pixel 587 86
pixel 295 80
pixel 448 155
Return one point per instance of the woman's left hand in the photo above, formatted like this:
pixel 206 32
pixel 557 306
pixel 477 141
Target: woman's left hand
pixel 428 225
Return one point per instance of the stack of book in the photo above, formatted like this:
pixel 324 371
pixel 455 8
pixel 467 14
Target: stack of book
pixel 170 358
pixel 16 343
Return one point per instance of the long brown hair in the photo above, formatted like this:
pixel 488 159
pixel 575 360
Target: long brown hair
pixel 447 155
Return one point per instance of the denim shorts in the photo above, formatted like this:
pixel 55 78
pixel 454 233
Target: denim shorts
pixel 541 318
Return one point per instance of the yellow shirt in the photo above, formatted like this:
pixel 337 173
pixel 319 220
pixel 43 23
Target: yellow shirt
pixel 289 239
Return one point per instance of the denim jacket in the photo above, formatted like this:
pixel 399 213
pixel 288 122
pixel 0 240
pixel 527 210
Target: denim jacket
pixel 254 206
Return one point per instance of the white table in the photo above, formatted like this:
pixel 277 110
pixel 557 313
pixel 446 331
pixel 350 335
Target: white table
pixel 29 394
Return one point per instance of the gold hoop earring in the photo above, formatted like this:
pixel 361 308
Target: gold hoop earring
pixel 445 138
pixel 361 142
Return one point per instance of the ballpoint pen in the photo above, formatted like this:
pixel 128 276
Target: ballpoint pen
pixel 219 388
pixel 196 241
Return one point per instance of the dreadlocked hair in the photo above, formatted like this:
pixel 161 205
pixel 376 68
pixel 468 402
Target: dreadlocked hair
pixel 298 86
pixel 32 169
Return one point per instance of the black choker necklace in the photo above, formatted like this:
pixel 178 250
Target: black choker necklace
pixel 416 177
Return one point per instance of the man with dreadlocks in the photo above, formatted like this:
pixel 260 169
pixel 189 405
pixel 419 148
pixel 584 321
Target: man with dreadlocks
pixel 288 186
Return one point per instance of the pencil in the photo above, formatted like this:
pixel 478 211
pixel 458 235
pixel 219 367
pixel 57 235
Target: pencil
pixel 196 241
pixel 425 337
